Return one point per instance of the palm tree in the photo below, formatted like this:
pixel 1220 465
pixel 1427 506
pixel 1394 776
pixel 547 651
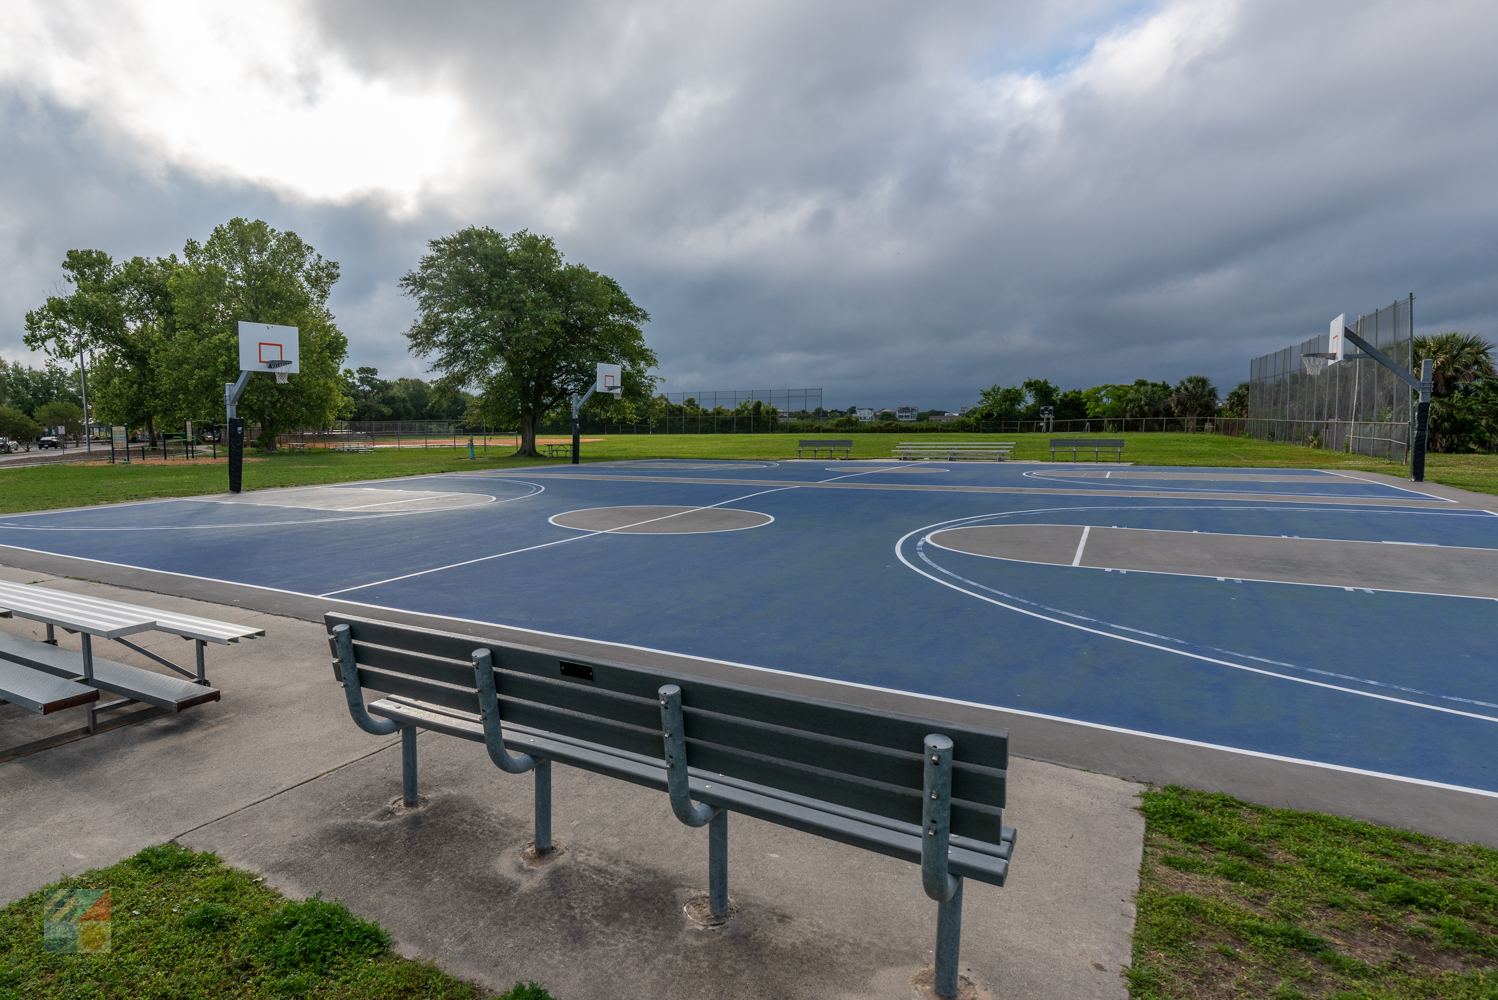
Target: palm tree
pixel 1458 357
pixel 1194 396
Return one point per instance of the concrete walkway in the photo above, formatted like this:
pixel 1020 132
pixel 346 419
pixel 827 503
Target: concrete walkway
pixel 277 779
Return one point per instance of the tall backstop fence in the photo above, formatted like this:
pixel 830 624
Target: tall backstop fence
pixel 1354 405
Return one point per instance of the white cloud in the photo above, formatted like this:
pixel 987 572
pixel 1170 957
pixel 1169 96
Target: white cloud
pixel 242 91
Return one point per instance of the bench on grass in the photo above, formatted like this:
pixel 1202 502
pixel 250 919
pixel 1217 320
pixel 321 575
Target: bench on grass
pixel 43 677
pixel 830 445
pixel 927 791
pixel 1095 445
pixel 358 447
pixel 949 451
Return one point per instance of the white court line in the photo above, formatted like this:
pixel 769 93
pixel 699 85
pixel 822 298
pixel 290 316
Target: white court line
pixel 1077 559
pixel 545 545
pixel 1375 482
pixel 931 529
pixel 940 699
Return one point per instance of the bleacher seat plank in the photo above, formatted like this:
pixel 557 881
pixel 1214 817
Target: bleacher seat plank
pixel 146 686
pixel 41 692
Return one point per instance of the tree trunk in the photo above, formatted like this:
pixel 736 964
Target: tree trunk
pixel 528 424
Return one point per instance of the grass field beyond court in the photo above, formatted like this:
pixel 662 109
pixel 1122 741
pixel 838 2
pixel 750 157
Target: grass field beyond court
pixel 52 486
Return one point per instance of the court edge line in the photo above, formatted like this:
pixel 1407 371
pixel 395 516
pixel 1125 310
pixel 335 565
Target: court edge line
pixel 1023 490
pixel 547 545
pixel 1076 560
pixel 1406 489
pixel 1100 726
pixel 1037 475
pixel 1164 649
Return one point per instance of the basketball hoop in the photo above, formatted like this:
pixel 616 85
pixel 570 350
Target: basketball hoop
pixel 1315 364
pixel 282 378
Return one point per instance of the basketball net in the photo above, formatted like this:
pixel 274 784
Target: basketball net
pixel 1314 365
pixel 281 378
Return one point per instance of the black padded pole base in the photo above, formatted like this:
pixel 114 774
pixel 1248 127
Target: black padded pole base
pixel 236 453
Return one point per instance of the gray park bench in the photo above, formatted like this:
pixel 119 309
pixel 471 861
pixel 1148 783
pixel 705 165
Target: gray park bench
pixel 831 445
pixel 43 677
pixel 1095 445
pixel 948 451
pixel 929 792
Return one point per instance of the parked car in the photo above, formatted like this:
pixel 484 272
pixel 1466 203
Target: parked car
pixel 50 441
pixel 7 446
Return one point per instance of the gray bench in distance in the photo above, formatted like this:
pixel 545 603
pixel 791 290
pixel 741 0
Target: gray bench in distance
pixel 927 791
pixel 1095 445
pixel 831 445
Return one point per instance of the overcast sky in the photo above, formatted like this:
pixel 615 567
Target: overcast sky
pixel 901 203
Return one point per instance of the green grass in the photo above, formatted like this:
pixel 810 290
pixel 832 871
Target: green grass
pixel 1238 900
pixel 183 924
pixel 67 485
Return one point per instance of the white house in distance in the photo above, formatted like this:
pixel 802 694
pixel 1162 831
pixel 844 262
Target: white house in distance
pixel 908 413
pixel 866 414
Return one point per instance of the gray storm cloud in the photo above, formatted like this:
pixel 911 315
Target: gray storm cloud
pixel 897 203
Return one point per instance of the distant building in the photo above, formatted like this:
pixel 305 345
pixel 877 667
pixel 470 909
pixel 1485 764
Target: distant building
pixel 885 413
pixel 962 411
pixel 906 413
pixel 941 418
pixel 866 414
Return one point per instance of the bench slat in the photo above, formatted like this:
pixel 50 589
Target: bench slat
pixel 896 767
pixel 846 722
pixel 871 835
pixel 40 692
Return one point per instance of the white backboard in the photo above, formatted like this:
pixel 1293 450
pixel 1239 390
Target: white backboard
pixel 609 378
pixel 266 348
pixel 1337 344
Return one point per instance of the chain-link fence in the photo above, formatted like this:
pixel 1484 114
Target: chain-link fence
pixel 1353 405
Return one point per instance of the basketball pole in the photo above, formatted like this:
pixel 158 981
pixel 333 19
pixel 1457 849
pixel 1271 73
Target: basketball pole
pixel 1421 385
pixel 233 393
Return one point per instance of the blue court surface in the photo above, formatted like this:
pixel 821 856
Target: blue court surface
pixel 1298 613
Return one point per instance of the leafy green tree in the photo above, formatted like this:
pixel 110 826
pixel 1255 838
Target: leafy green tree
pixel 18 427
pixel 1458 357
pixel 1194 396
pixel 995 403
pixel 25 388
pixel 509 316
pixel 1072 405
pixel 249 271
pixel 60 413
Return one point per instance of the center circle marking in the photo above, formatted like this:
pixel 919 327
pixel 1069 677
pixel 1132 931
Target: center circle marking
pixel 660 520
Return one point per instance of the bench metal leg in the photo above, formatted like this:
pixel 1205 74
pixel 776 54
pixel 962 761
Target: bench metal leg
pixel 408 766
pixel 202 668
pixel 948 941
pixel 51 636
pixel 542 771
pixel 717 863
pixel 88 675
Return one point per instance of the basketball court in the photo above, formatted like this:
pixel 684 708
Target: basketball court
pixel 1338 619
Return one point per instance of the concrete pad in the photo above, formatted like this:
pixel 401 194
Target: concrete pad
pixel 276 778
pixel 657 520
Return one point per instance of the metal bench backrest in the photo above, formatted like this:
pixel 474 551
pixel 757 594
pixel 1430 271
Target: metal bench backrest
pixel 1087 442
pixel 852 757
pixel 826 443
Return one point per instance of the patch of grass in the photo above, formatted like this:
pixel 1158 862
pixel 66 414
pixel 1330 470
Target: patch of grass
pixel 184 924
pixel 1237 900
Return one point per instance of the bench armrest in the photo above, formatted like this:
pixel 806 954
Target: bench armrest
pixel 344 642
pixel 936 820
pixel 494 734
pixel 677 780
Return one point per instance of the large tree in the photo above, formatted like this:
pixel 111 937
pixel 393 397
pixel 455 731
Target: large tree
pixel 1194 396
pixel 1458 357
pixel 249 271
pixel 508 316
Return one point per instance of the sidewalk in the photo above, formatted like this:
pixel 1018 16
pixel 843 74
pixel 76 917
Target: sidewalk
pixel 276 778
